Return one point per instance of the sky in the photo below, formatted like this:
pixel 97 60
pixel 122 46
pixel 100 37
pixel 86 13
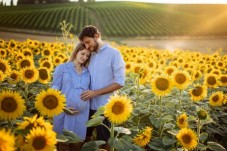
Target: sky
pixel 157 1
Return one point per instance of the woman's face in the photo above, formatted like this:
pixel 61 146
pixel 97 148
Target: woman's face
pixel 82 56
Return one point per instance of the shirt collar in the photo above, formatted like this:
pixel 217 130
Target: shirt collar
pixel 102 48
pixel 84 69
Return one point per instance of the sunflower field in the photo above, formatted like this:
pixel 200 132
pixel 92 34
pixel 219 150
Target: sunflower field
pixel 171 100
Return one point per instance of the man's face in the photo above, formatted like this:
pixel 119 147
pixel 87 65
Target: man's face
pixel 90 43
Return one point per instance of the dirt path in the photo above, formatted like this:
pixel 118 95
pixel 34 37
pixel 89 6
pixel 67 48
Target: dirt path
pixel 199 44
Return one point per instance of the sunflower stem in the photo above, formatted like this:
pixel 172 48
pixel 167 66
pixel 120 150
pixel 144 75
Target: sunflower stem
pixel 137 87
pixel 180 100
pixel 198 131
pixel 112 134
pixel 160 105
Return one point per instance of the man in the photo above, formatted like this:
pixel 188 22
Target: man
pixel 107 70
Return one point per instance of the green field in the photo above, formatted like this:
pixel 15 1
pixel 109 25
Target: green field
pixel 120 19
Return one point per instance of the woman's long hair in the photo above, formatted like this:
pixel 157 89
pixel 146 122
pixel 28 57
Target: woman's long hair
pixel 77 48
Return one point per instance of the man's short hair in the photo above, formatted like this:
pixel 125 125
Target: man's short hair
pixel 88 31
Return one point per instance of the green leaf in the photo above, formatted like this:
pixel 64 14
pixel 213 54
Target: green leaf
pixel 168 141
pixel 117 144
pixel 95 121
pixel 122 130
pixel 215 146
pixel 61 138
pixel 92 146
pixel 203 136
pixel 73 138
pixel 99 112
pixel 156 144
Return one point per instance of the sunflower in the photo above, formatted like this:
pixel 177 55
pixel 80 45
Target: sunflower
pixel 7 141
pixel 128 66
pixel 2 76
pixel 44 75
pixel 211 81
pixel 144 137
pixel 14 77
pixel 50 102
pixel 57 60
pixel 3 53
pixel 216 99
pixel 187 138
pixel 49 65
pixel 5 67
pixel 170 69
pixel 29 74
pixel 118 109
pixel 182 121
pixel 223 80
pixel 11 105
pixel 31 122
pixel 25 62
pixel 161 85
pixel 36 51
pixel 40 139
pixel 196 75
pixel 152 64
pixel 27 52
pixel 18 56
pixel 198 92
pixel 46 52
pixel 181 79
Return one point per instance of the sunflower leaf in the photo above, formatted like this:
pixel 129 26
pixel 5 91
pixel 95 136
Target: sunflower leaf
pixel 95 121
pixel 215 146
pixel 92 146
pixel 203 136
pixel 61 138
pixel 99 112
pixel 73 138
pixel 122 130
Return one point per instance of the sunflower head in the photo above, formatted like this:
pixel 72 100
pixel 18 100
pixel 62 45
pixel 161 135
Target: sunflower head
pixel 29 74
pixel 216 99
pixel 198 92
pixel 41 139
pixel 14 77
pixel 11 105
pixel 182 121
pixel 118 109
pixel 202 114
pixel 187 138
pixel 161 85
pixel 181 79
pixel 211 81
pixel 50 102
pixel 44 75
pixel 223 80
pixel 143 137
pixel 7 141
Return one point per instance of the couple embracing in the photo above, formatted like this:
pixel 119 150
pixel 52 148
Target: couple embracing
pixel 92 74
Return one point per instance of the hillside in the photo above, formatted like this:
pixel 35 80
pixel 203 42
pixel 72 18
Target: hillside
pixel 121 19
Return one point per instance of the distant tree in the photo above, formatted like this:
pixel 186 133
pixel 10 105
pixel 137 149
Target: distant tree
pixel 1 4
pixel 80 1
pixel 5 4
pixel 90 0
pixel 11 3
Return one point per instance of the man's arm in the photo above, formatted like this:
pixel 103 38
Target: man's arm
pixel 86 95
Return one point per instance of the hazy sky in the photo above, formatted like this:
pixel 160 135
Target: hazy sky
pixel 159 1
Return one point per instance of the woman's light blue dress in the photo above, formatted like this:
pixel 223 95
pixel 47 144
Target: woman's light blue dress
pixel 72 84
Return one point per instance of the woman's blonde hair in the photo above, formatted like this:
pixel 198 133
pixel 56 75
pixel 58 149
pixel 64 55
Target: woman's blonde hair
pixel 77 48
